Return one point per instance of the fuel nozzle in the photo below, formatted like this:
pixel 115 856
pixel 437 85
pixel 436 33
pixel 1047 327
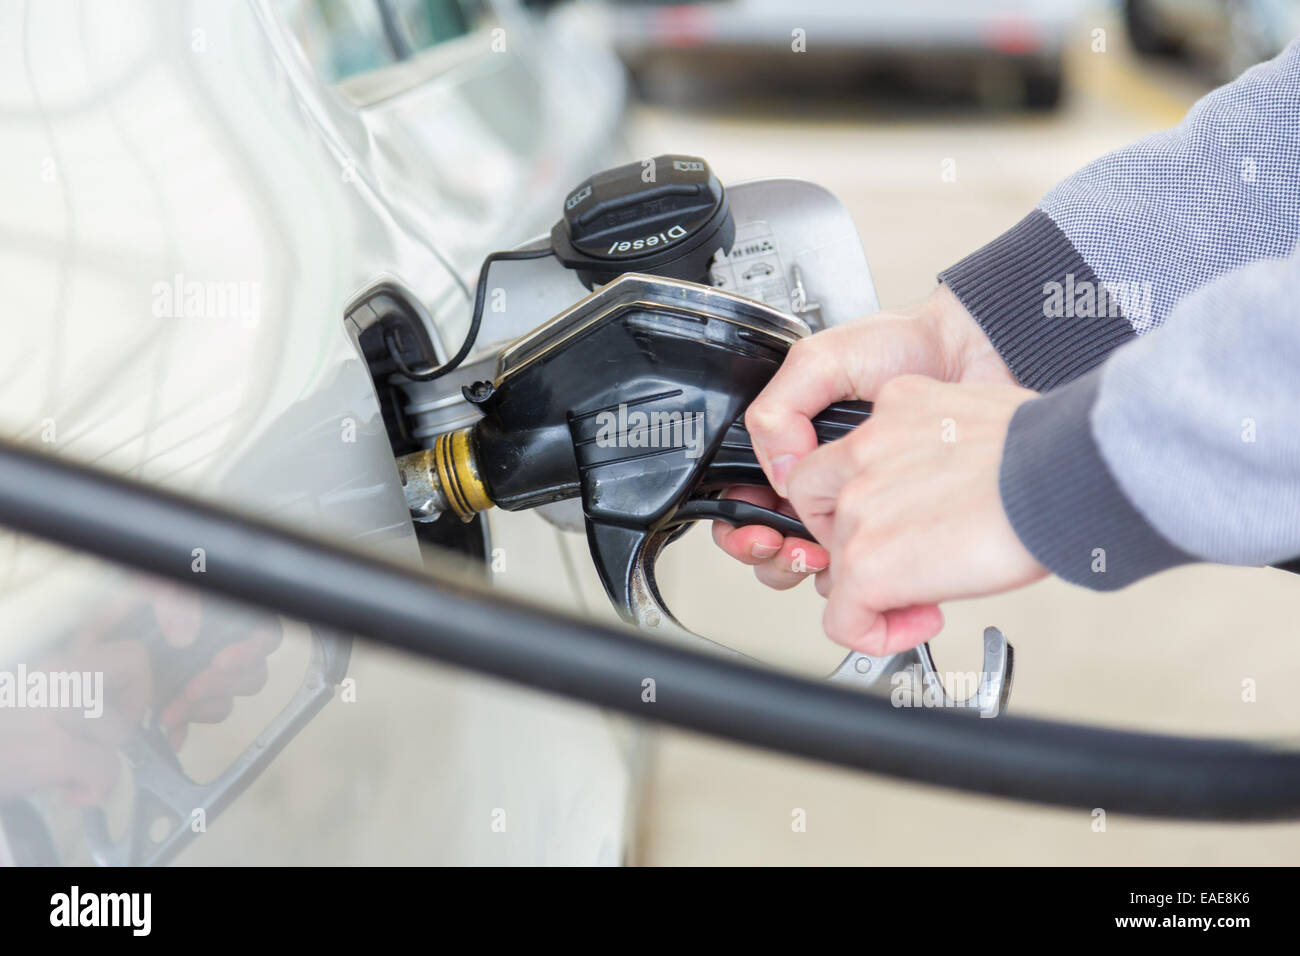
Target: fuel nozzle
pixel 444 478
pixel 576 407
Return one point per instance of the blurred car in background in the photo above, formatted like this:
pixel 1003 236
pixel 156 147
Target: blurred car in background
pixel 1227 36
pixel 941 42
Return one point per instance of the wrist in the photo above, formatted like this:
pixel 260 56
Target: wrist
pixel 966 353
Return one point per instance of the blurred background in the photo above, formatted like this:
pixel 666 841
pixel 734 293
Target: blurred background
pixel 940 124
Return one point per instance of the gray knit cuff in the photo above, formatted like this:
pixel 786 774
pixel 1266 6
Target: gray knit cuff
pixel 1048 335
pixel 1063 502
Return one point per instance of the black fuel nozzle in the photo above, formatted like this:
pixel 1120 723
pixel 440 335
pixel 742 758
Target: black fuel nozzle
pixel 633 401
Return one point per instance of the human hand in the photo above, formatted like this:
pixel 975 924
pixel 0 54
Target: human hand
pixel 909 506
pixel 238 669
pixel 937 338
pixel 75 749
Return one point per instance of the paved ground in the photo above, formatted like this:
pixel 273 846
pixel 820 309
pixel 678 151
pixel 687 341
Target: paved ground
pixel 1169 654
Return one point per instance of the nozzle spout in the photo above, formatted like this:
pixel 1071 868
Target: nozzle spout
pixel 444 478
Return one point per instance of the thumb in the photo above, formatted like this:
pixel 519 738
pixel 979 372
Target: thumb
pixel 848 361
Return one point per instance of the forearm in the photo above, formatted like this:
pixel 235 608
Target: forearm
pixel 1183 446
pixel 1108 252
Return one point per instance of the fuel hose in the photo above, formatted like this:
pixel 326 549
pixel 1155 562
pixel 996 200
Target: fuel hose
pixel 450 618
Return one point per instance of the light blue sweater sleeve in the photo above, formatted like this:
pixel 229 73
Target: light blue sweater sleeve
pixel 1200 421
pixel 1183 446
pixel 1154 297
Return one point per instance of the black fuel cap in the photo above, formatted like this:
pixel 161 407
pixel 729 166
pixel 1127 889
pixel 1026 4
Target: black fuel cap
pixel 666 216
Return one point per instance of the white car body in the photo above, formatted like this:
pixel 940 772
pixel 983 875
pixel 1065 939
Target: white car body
pixel 188 211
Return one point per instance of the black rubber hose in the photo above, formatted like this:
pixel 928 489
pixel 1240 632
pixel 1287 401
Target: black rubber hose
pixel 454 620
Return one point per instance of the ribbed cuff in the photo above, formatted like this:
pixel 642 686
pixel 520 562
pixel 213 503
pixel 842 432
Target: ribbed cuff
pixel 1048 335
pixel 1065 505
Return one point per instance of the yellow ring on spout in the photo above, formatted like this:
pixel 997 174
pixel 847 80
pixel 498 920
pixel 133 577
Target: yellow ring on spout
pixel 457 467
